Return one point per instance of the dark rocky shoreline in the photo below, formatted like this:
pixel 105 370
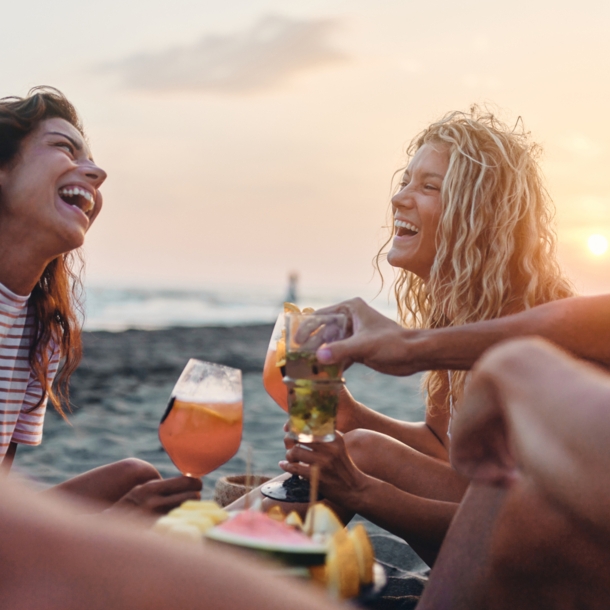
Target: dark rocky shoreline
pixel 115 364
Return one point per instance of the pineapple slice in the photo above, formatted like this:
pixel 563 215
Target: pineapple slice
pixel 321 521
pixel 294 519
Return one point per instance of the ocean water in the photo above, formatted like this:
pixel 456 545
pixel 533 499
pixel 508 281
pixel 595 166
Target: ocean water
pixel 116 309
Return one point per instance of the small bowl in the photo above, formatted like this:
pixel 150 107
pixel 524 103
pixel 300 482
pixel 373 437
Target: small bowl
pixel 229 489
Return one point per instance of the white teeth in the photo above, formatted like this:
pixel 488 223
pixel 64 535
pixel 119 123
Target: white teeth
pixel 406 225
pixel 86 195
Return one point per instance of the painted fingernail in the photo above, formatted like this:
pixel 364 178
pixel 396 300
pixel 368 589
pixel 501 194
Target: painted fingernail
pixel 324 354
pixel 282 464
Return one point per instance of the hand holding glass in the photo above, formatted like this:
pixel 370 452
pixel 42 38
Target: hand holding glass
pixel 310 388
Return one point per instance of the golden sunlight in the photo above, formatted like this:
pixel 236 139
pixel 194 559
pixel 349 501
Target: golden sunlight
pixel 598 244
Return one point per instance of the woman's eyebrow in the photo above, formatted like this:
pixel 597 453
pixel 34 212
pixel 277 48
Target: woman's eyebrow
pixel 433 175
pixel 74 142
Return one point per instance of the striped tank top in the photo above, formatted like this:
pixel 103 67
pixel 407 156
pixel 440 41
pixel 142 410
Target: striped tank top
pixel 19 391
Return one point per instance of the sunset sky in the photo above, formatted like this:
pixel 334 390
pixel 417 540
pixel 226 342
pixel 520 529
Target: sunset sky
pixel 247 138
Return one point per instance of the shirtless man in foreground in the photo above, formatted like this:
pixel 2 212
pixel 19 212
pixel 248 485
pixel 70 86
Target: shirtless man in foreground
pixel 533 436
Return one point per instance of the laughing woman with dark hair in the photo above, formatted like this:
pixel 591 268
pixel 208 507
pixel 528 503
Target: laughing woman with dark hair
pixel 49 197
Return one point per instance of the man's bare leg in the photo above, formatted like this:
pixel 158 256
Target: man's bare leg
pixel 460 576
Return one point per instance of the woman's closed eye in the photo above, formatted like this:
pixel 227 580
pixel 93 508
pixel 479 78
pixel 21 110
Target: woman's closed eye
pixel 67 146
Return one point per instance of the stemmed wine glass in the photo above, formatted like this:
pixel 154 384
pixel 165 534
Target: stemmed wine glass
pixel 307 389
pixel 202 426
pixel 274 369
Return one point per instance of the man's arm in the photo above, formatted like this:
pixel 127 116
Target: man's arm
pixel 581 325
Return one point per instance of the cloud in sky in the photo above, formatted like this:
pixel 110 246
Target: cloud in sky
pixel 262 57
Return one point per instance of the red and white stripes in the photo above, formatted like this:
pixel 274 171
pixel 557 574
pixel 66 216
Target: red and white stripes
pixel 19 391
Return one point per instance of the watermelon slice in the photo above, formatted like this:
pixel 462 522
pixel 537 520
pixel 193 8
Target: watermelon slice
pixel 255 530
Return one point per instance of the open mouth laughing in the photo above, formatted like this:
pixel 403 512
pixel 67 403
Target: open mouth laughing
pixel 404 229
pixel 78 197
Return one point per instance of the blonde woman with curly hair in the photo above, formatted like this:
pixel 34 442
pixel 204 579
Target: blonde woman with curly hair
pixel 473 240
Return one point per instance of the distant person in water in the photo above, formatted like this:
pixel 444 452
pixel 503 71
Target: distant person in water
pixel 292 294
pixel 472 240
pixel 49 197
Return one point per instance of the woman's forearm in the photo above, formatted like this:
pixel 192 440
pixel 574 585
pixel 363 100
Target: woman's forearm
pixel 417 435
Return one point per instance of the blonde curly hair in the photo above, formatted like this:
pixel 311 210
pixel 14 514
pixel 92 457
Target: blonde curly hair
pixel 496 246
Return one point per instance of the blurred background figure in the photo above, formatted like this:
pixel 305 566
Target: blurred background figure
pixel 292 295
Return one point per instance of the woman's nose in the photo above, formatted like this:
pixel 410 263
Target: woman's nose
pixel 402 198
pixel 95 174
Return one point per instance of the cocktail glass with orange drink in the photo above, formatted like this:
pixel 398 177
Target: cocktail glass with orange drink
pixel 202 426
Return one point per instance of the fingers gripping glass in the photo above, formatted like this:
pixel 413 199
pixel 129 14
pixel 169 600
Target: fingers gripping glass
pixel 310 389
pixel 202 426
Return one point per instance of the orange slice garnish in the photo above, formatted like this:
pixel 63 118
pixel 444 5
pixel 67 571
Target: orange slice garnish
pixel 291 308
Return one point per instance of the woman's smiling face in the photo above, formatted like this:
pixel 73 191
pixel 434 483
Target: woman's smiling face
pixel 50 190
pixel 417 209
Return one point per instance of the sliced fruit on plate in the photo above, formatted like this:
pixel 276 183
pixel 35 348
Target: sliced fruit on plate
pixel 294 519
pixel 342 572
pixel 201 516
pixel 276 513
pixel 364 553
pixel 256 529
pixel 321 522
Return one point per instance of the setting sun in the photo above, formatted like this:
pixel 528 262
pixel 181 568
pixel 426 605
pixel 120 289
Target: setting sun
pixel 598 244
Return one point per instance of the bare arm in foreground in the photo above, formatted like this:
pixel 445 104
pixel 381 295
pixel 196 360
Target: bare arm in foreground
pixel 533 435
pixel 54 560
pixel 581 325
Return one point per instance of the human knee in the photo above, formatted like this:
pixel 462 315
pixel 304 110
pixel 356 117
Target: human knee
pixel 136 471
pixel 520 358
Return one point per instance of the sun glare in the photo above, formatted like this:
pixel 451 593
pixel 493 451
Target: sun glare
pixel 598 244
